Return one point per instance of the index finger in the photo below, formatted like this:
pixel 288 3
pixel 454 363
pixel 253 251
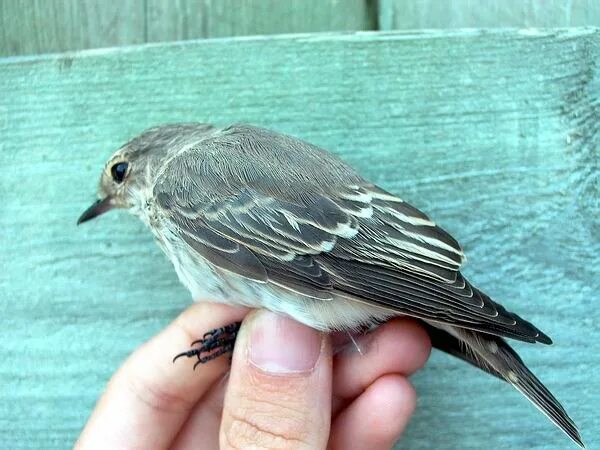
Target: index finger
pixel 148 400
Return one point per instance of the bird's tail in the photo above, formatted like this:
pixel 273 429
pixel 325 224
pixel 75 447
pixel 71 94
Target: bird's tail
pixel 493 355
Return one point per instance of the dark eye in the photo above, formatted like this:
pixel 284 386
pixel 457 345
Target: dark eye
pixel 118 171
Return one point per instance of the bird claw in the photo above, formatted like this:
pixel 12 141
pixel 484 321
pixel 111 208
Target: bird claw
pixel 213 344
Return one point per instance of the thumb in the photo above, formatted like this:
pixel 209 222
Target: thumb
pixel 279 391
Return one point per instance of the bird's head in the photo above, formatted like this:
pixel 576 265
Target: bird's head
pixel 128 176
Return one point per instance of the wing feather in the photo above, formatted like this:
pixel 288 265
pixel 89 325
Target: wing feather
pixel 242 261
pixel 242 202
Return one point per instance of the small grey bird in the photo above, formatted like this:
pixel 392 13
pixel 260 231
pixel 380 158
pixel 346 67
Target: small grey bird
pixel 253 217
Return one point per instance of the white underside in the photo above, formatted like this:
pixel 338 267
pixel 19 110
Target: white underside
pixel 208 283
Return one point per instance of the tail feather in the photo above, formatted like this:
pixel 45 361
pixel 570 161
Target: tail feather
pixel 532 388
pixel 494 356
pixel 446 342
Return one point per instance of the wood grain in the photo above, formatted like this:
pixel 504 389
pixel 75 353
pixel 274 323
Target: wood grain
pixel 416 14
pixel 43 26
pixel 187 19
pixel 495 134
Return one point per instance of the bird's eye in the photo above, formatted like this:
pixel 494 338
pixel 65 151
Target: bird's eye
pixel 119 171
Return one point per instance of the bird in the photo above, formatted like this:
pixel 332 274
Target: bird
pixel 257 218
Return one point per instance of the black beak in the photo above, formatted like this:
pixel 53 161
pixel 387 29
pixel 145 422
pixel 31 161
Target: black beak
pixel 100 207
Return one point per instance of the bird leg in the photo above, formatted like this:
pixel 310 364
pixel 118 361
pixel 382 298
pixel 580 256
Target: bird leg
pixel 213 344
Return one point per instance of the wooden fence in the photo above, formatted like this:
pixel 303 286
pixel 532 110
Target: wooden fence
pixel 494 133
pixel 42 26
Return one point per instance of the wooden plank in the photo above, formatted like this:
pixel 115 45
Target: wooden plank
pixel 188 19
pixel 42 26
pixel 495 134
pixel 418 14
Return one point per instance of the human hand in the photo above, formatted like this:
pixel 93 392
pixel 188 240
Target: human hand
pixel 285 389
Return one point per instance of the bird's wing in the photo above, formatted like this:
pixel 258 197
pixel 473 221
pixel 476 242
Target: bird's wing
pixel 248 208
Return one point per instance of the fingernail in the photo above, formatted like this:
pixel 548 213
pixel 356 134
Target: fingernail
pixel 281 345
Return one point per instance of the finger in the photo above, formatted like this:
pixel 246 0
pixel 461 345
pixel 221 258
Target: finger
pixel 399 346
pixel 149 398
pixel 201 430
pixel 377 418
pixel 279 392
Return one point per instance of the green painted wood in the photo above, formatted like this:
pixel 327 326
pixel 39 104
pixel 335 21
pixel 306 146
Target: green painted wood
pixel 418 14
pixel 495 134
pixel 43 26
pixel 185 19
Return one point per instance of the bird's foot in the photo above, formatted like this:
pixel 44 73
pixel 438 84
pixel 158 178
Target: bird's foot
pixel 213 344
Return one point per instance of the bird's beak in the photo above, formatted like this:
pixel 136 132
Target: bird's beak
pixel 100 207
